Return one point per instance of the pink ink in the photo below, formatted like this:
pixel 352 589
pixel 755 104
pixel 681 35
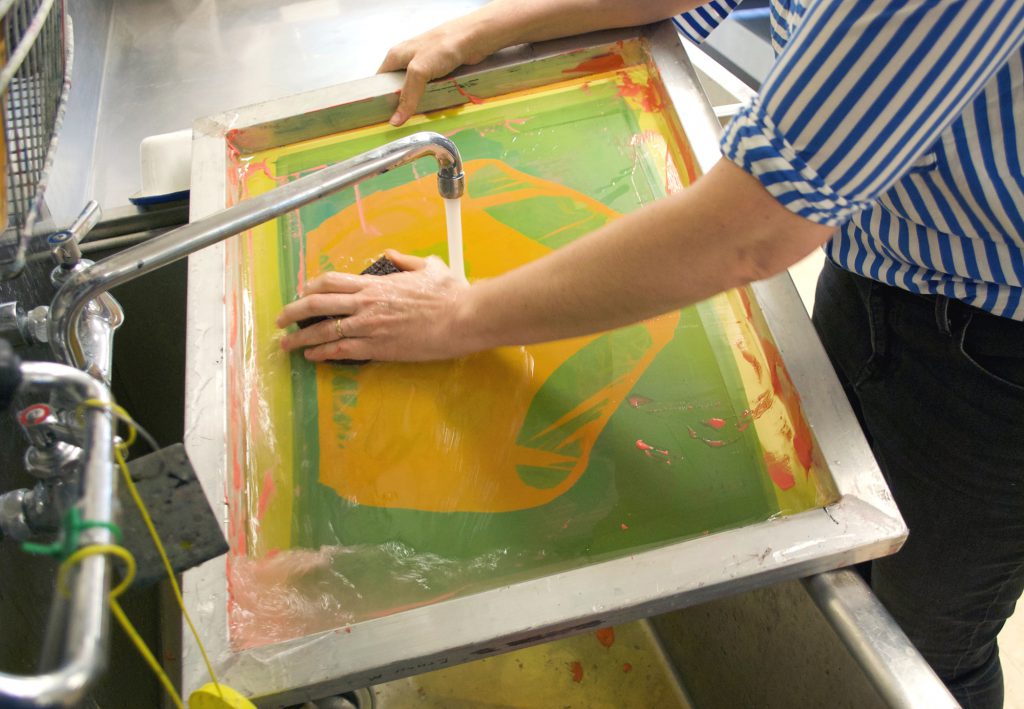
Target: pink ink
pixel 465 94
pixel 715 423
pixel 267 490
pixel 236 475
pixel 510 122
pixel 636 401
pixel 367 229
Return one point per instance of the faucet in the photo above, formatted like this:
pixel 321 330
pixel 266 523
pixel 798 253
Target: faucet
pixel 68 339
pixel 79 327
pixel 84 634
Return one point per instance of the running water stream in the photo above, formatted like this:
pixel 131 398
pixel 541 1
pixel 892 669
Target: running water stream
pixel 453 216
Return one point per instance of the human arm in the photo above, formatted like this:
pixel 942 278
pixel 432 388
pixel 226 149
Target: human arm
pixel 723 231
pixel 504 23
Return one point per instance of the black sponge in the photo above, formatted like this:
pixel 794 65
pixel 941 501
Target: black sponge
pixel 381 267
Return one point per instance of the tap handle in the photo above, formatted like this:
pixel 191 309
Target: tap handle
pixel 64 244
pixel 10 374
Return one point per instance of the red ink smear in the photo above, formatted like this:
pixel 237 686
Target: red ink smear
pixel 741 427
pixel 623 526
pixel 646 94
pixel 746 303
pixel 465 94
pixel 626 667
pixel 753 362
pixel 716 444
pixel 577 671
pixel 636 401
pixel 650 451
pixel 348 629
pixel 606 636
pixel 267 490
pixel 778 471
pixel 784 389
pixel 596 65
pixel 715 423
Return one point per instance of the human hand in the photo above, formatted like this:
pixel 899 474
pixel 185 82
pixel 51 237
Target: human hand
pixel 407 316
pixel 430 55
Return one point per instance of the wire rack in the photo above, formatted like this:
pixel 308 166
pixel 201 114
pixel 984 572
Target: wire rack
pixel 34 86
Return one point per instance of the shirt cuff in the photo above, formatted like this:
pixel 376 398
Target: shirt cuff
pixel 752 141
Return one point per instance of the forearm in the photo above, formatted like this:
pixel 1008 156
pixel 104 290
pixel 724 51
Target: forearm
pixel 503 23
pixel 722 232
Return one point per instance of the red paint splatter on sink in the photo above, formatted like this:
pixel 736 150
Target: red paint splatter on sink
pixel 577 671
pixel 779 471
pixel 606 636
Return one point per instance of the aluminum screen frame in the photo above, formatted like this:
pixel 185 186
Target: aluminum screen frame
pixel 863 524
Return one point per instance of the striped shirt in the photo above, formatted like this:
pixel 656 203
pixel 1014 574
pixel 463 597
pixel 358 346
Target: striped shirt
pixel 902 123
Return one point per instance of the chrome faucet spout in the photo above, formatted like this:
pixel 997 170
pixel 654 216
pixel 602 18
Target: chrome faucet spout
pixel 90 282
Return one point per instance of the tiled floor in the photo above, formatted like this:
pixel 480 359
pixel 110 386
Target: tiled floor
pixel 1011 640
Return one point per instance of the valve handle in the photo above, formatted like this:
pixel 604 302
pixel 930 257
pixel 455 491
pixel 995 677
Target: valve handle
pixel 10 374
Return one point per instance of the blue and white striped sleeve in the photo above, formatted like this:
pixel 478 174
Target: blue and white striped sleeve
pixel 862 89
pixel 698 23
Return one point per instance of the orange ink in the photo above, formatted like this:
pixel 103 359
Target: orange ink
pixel 606 636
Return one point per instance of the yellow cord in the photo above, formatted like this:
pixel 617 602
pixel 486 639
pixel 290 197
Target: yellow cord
pixel 115 607
pixel 119 451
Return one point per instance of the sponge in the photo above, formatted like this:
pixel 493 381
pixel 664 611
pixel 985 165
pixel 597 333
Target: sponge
pixel 381 267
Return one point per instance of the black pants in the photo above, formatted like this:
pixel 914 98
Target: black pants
pixel 939 390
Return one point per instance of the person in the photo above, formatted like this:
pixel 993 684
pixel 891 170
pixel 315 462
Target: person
pixel 892 133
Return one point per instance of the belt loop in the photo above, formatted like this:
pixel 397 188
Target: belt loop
pixel 942 315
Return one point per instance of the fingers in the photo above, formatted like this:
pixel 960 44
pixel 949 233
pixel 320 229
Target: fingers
pixel 334 282
pixel 406 262
pixel 316 305
pixel 322 332
pixel 397 58
pixel 349 348
pixel 412 91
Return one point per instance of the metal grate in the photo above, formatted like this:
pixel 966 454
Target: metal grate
pixel 34 81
